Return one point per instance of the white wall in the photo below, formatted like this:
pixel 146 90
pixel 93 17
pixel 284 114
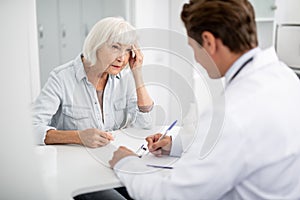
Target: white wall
pixel 19 177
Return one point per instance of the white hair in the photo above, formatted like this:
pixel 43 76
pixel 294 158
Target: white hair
pixel 108 30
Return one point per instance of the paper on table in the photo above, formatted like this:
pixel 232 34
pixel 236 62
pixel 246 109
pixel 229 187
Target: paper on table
pixel 131 138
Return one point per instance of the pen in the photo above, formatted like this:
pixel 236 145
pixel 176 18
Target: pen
pixel 159 166
pixel 141 151
pixel 171 126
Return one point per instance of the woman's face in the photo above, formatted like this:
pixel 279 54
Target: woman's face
pixel 113 57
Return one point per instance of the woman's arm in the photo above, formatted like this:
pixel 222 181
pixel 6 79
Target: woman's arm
pixel 45 107
pixel 143 98
pixel 62 137
pixel 90 137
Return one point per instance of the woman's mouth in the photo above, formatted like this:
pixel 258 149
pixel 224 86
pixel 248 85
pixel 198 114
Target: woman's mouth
pixel 116 66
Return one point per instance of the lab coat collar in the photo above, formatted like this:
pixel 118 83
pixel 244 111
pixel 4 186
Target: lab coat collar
pixel 239 62
pixel 265 58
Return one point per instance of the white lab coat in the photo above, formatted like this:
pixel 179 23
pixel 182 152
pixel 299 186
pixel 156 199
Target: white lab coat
pixel 258 153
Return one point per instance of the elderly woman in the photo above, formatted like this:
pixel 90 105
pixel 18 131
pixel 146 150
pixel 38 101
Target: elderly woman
pixel 95 93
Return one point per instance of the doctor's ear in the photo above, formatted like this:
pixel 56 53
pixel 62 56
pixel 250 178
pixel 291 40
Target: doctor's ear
pixel 209 42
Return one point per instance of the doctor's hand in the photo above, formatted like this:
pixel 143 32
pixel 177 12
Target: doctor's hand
pixel 159 148
pixel 94 137
pixel 122 152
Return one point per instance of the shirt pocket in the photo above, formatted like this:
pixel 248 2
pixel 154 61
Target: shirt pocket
pixel 76 118
pixel 120 112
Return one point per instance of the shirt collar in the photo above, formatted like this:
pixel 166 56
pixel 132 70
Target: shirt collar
pixel 80 72
pixel 237 64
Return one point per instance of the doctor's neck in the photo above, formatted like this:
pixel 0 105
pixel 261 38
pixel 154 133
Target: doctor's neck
pixel 227 58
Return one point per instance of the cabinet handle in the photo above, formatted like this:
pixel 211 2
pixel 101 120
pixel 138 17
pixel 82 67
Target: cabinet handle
pixel 63 31
pixel 273 7
pixel 41 31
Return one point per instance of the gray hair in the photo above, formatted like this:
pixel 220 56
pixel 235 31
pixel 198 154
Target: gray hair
pixel 108 30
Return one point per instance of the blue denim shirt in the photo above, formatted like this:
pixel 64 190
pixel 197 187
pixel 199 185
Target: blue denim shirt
pixel 68 101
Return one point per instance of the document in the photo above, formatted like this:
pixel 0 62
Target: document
pixel 133 138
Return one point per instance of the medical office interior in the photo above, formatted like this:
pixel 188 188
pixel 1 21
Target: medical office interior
pixel 37 36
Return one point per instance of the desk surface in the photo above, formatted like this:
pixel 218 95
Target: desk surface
pixel 82 170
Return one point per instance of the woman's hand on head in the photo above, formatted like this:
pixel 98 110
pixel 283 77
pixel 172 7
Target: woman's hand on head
pixel 94 137
pixel 136 61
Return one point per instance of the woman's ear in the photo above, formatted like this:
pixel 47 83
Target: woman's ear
pixel 209 42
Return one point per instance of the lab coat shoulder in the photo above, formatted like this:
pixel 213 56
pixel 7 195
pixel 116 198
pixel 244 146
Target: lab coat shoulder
pixel 262 99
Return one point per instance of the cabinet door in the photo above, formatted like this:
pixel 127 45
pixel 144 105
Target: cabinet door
pixel 288 45
pixel 288 12
pixel 70 32
pixel 94 10
pixel 91 13
pixel 47 19
pixel 264 8
pixel 264 13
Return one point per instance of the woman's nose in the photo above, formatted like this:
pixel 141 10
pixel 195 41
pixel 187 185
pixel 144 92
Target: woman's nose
pixel 121 57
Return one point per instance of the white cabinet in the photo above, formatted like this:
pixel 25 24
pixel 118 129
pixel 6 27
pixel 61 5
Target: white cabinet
pixel 48 37
pixel 264 9
pixel 288 45
pixel 288 12
pixel 288 33
pixel 264 13
pixel 70 31
pixel 64 24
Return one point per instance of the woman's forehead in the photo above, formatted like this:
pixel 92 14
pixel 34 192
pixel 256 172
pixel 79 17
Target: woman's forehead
pixel 127 38
pixel 123 45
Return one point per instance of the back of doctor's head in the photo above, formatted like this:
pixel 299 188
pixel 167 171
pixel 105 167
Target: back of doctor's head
pixel 108 30
pixel 232 21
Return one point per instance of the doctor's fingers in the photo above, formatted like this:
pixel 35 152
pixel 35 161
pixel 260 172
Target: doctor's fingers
pixel 152 139
pixel 166 141
pixel 157 153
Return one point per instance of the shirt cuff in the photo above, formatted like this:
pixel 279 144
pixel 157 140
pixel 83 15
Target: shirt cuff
pixel 146 109
pixel 130 165
pixel 118 166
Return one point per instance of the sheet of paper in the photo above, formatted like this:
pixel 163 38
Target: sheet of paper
pixel 132 138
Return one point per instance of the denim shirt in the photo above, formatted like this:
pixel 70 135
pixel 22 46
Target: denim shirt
pixel 68 101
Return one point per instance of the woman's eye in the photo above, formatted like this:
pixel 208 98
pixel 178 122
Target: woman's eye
pixel 115 47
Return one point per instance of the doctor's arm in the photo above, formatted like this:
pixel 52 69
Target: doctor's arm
pixel 209 178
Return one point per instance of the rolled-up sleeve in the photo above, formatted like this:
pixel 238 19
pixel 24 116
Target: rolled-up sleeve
pixel 45 107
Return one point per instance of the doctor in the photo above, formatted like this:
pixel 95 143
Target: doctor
pixel 258 153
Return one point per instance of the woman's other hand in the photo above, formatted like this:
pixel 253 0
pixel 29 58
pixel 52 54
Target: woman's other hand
pixel 94 137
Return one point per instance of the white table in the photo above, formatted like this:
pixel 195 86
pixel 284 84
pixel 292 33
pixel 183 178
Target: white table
pixel 82 170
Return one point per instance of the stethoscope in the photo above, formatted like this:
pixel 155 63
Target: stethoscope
pixel 240 69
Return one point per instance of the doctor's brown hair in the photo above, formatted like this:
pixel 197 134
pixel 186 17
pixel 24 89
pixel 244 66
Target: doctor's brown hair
pixel 232 21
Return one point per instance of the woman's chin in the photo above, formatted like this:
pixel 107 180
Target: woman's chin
pixel 114 72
